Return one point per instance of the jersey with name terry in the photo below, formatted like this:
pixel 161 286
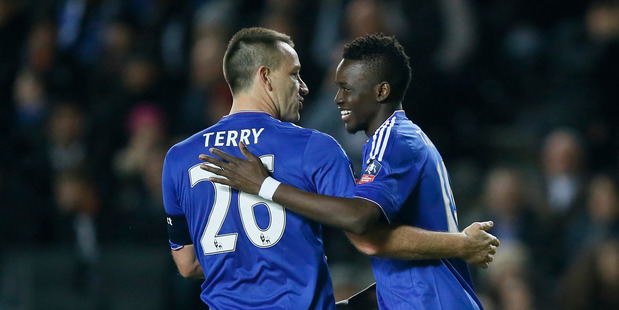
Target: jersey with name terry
pixel 257 254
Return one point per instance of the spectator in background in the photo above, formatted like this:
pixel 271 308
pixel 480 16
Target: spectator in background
pixel 67 148
pixel 81 24
pixel 507 286
pixel 139 189
pixel 171 28
pixel 563 167
pixel 119 43
pixel 25 153
pixel 147 131
pixel 362 17
pixel 595 222
pixel 207 98
pixel 592 282
pixel 31 104
pixel 563 181
pixel 78 201
pixel 140 80
pixel 504 200
pixel 64 152
pixel 41 55
pixel 295 18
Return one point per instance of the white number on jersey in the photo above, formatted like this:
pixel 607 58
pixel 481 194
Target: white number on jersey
pixel 211 242
pixel 448 197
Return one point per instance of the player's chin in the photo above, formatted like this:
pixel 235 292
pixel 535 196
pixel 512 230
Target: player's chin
pixel 350 127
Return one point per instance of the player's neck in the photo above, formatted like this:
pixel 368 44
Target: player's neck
pixel 249 102
pixel 384 112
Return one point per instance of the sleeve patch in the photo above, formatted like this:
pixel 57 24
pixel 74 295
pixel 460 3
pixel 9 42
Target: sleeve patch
pixel 372 169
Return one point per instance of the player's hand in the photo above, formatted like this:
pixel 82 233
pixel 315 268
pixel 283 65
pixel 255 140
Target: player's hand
pixel 480 246
pixel 245 175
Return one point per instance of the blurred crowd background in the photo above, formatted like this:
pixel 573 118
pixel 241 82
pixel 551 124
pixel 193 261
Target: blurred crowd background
pixel 520 98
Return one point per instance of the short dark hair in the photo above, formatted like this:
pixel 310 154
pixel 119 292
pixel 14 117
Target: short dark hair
pixel 249 49
pixel 385 59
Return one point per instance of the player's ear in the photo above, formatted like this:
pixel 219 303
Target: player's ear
pixel 263 73
pixel 382 91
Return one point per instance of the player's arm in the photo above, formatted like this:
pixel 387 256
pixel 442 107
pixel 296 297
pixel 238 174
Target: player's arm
pixel 183 251
pixel 349 214
pixel 356 216
pixel 474 244
pixel 359 219
pixel 187 262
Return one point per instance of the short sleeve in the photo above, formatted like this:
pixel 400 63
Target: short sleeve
pixel 389 181
pixel 170 183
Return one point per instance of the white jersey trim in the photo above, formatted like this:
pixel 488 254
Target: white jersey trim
pixel 376 138
pixel 384 146
pixel 377 204
pixel 381 138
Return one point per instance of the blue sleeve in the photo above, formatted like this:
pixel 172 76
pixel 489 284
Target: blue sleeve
pixel 170 194
pixel 169 184
pixel 328 166
pixel 389 181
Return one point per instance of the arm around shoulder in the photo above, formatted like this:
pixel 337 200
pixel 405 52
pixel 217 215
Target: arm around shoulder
pixel 349 214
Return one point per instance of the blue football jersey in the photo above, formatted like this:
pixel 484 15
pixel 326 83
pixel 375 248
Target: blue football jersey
pixel 404 174
pixel 256 254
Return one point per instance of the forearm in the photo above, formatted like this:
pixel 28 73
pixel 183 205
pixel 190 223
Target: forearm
pixel 196 272
pixel 250 176
pixel 407 242
pixel 187 263
pixel 349 214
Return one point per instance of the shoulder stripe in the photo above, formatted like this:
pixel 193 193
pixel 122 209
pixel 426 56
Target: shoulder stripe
pixel 376 143
pixel 375 137
pixel 378 136
pixel 381 139
pixel 384 146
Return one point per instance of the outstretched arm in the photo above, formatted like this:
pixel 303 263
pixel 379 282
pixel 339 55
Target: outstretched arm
pixel 356 216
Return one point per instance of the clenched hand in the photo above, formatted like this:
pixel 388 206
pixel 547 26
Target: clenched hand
pixel 481 246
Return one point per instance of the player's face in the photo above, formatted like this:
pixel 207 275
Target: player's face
pixel 355 96
pixel 288 87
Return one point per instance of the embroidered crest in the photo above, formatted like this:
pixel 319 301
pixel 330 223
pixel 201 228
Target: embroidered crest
pixel 370 172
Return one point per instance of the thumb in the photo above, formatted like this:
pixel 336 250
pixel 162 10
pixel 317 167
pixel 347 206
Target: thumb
pixel 486 225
